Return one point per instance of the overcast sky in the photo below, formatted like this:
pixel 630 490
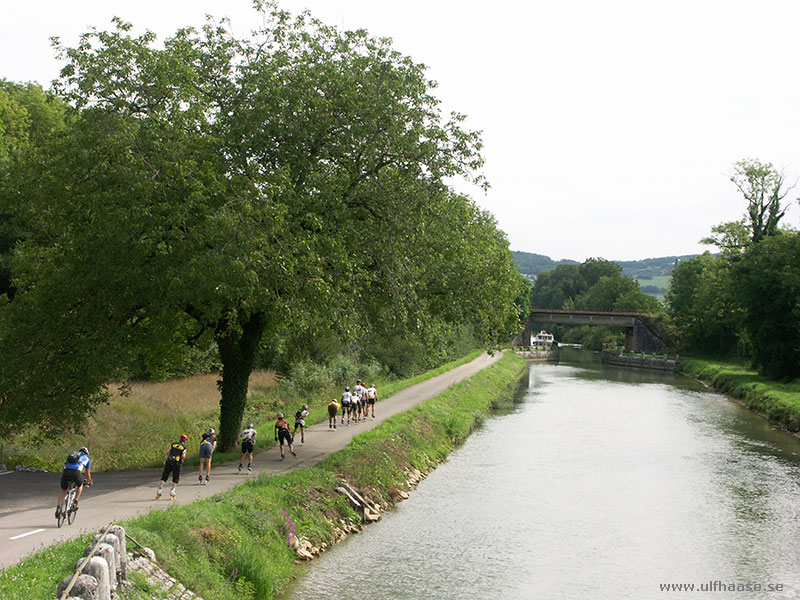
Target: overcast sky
pixel 610 127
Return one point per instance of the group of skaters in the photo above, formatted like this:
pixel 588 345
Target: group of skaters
pixel 284 435
pixel 355 404
pixel 176 456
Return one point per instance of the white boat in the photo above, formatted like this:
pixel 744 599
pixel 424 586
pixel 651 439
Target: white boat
pixel 542 339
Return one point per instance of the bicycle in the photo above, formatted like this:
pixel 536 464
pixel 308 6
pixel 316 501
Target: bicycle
pixel 67 509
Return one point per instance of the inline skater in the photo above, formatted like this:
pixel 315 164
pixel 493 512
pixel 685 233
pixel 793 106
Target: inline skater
pixel 300 422
pixel 207 447
pixel 282 433
pixel 176 454
pixel 77 463
pixel 247 439
pixel 333 410
pixel 358 399
pixel 346 404
pixel 372 398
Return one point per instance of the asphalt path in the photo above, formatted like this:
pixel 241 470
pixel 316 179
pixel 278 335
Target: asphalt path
pixel 28 499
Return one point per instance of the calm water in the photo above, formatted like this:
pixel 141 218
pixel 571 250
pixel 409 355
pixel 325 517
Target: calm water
pixel 598 483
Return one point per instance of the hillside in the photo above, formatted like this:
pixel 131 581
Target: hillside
pixel 653 274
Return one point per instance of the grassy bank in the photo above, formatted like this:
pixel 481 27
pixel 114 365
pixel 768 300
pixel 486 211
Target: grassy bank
pixel 779 402
pixel 134 428
pixel 245 531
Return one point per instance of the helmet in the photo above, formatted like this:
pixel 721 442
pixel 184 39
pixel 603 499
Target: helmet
pixel 280 415
pixel 305 406
pixel 211 430
pixel 84 451
pixel 184 437
pixel 347 389
pixel 249 425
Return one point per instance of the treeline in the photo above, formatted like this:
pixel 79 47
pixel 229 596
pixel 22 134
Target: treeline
pixel 745 301
pixel 229 203
pixel 596 284
pixel 529 263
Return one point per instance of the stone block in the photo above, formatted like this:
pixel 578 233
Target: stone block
pixel 85 587
pixel 119 531
pixel 106 552
pixel 99 569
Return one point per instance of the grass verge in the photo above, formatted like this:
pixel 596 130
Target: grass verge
pixel 236 545
pixel 779 402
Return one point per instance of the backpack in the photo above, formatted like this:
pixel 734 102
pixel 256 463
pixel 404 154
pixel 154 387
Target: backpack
pixel 74 458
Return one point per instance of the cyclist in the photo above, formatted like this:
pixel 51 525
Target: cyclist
pixel 207 446
pixel 333 410
pixel 176 455
pixel 248 441
pixel 372 397
pixel 77 463
pixel 282 432
pixel 300 422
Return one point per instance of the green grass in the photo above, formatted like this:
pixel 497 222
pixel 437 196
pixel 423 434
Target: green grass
pixel 780 402
pixel 160 412
pixel 245 529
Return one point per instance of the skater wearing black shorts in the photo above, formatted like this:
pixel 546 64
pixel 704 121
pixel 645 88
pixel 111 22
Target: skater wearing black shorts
pixel 333 410
pixel 176 454
pixel 207 447
pixel 282 433
pixel 300 422
pixel 248 441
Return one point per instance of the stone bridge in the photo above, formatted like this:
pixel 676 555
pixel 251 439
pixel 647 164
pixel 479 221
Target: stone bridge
pixel 639 337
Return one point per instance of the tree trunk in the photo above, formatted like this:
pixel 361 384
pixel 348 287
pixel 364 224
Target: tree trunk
pixel 237 352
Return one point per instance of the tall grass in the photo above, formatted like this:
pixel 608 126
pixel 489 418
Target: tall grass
pixel 136 426
pixel 234 545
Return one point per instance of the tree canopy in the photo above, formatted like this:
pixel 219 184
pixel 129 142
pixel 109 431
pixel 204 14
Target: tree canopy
pixel 744 301
pixel 222 191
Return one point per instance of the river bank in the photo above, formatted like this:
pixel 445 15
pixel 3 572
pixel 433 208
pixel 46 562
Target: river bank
pixel 244 543
pixel 778 402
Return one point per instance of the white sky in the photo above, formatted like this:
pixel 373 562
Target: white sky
pixel 609 126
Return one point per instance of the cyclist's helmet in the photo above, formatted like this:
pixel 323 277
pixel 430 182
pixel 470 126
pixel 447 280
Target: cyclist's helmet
pixel 280 415
pixel 249 425
pixel 211 430
pixel 347 389
pixel 84 451
pixel 184 437
pixel 305 406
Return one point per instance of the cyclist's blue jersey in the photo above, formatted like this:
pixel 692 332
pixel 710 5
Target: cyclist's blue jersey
pixel 83 464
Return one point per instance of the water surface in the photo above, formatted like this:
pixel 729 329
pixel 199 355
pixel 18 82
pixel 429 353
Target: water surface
pixel 597 483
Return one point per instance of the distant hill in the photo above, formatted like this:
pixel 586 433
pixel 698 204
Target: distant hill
pixel 532 264
pixel 653 274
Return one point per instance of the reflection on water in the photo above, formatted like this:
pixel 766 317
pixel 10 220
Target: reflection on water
pixel 598 483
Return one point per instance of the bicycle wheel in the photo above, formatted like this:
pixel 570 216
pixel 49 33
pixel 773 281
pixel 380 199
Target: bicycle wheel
pixel 62 514
pixel 71 503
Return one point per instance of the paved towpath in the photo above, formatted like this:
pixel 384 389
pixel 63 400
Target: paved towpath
pixel 27 499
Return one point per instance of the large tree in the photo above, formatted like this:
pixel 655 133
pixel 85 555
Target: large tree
pixel 703 307
pixel 229 189
pixel 768 290
pixel 763 188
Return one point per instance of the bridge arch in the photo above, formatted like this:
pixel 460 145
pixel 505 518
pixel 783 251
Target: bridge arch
pixel 639 336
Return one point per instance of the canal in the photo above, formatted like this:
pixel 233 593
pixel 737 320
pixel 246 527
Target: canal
pixel 596 483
